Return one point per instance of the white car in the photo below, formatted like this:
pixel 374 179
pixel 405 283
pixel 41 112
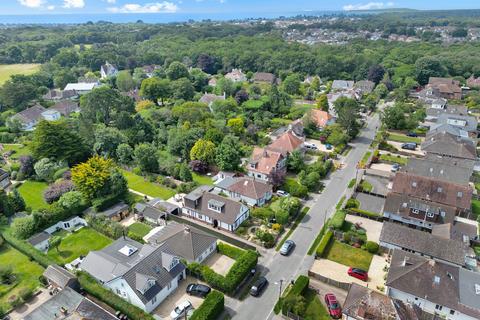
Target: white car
pixel 311 146
pixel 180 310
pixel 282 193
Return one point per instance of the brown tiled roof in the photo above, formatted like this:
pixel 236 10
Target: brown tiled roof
pixel 265 160
pixel 66 107
pixel 286 143
pixel 31 114
pixel 437 81
pixel 321 117
pixel 250 188
pixel 264 77
pixel 443 192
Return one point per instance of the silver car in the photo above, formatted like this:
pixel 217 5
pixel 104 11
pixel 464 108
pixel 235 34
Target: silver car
pixel 287 247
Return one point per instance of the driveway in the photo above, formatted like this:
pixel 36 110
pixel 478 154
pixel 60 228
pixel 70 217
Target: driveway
pixel 370 203
pixel 398 146
pixel 219 263
pixel 373 228
pixel 178 296
pixel 379 184
pixel 26 308
pixel 321 147
pixel 324 288
pixel 376 272
pixel 385 167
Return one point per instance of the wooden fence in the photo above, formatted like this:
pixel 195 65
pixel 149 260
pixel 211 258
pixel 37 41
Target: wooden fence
pixel 342 285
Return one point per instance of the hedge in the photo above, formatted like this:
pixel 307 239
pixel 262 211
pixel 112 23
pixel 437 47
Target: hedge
pixel 92 287
pixel 229 251
pixel 101 204
pixel 298 288
pixel 318 238
pixel 368 214
pixel 324 243
pixel 338 219
pixel 211 308
pixel 28 250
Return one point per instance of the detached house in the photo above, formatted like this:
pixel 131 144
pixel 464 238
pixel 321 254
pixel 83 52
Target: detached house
pixel 450 142
pixel 447 291
pixel 210 98
pixel 82 87
pixel 264 77
pixel 55 94
pixel 29 118
pixel 446 88
pixel 461 121
pixel 66 107
pixel 364 86
pixel 236 75
pixel 264 163
pixel 251 191
pixel 287 143
pixel 342 85
pixel 108 70
pixel 144 275
pixel 220 212
pixel 322 118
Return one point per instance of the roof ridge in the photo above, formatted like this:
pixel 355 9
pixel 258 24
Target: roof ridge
pixel 406 272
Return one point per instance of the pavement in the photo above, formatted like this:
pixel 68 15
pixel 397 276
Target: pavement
pixel 370 203
pixel 32 304
pixel 276 267
pixel 379 184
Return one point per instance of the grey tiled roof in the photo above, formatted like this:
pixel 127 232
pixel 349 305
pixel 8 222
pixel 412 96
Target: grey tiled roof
pixel 445 142
pixel 32 114
pixel 441 169
pixel 471 122
pixel 39 238
pixel 452 251
pixel 58 275
pixel 66 298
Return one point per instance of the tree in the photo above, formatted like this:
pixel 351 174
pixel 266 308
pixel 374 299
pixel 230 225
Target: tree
pixel 315 85
pixel 16 201
pixel 182 89
pixel 124 153
pixel 381 91
pixel 241 96
pixel 226 86
pixel 375 73
pixel 180 142
pixel 215 135
pixel 59 141
pixel 63 77
pixel 199 79
pixel 155 89
pixel 204 151
pixel 291 84
pixel 207 63
pixel 46 168
pixel 145 157
pixel 322 102
pixel 394 117
pixel 56 190
pixel 177 70
pixel 26 166
pixel 103 105
pixel 427 67
pixel 295 161
pixel 236 125
pixel 107 140
pixel 71 201
pixel 144 105
pixel 17 94
pixel 54 242
pixel 23 227
pixel 228 154
pixel 125 81
pixel 347 114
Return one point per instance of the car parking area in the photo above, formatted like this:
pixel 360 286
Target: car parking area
pixel 320 147
pixel 384 167
pixel 178 296
pixel 373 228
pixel 398 146
pixel 219 263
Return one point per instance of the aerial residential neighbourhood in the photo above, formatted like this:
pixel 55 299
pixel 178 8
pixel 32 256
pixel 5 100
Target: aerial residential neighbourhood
pixel 158 161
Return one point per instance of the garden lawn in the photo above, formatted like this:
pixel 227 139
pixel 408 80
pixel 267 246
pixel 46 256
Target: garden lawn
pixel 7 70
pixel 476 208
pixel 78 243
pixel 20 150
pixel 140 229
pixel 151 189
pixel 393 159
pixel 315 308
pixel 365 158
pixel 26 272
pixel 202 180
pixel 403 138
pixel 32 193
pixel 349 256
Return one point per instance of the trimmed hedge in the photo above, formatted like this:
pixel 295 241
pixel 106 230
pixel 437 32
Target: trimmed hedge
pixel 318 238
pixel 368 214
pixel 92 287
pixel 324 243
pixel 372 247
pixel 338 219
pixel 211 308
pixel 229 251
pixel 238 272
pixel 298 288
pixel 28 250
pixel 101 204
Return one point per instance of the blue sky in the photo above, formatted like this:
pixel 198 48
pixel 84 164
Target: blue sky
pixel 217 6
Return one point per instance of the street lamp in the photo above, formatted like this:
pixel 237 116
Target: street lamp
pixel 280 282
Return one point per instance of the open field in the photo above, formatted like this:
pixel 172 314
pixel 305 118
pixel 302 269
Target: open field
pixel 7 70
pixel 32 193
pixel 151 189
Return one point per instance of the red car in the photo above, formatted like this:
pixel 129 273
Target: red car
pixel 333 307
pixel 358 273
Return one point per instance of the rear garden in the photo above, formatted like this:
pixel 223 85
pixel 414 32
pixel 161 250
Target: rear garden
pixel 138 230
pixel 32 193
pixel 142 185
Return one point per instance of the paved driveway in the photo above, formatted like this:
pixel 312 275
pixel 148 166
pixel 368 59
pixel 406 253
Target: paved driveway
pixel 385 167
pixel 373 228
pixel 398 146
pixel 379 184
pixel 219 263
pixel 26 308
pixel 370 203
pixel 321 147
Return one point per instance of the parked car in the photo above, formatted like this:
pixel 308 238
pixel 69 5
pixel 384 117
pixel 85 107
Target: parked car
pixel 395 167
pixel 287 247
pixel 311 146
pixel 358 273
pixel 409 146
pixel 333 306
pixel 180 310
pixel 328 146
pixel 412 134
pixel 282 193
pixel 198 290
pixel 258 286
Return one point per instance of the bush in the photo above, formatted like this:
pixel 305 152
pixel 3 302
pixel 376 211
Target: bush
pixel 56 190
pixel 295 189
pixel 25 293
pixel 263 213
pixel 60 173
pixel 327 237
pixel 111 229
pixel 92 287
pixel 28 250
pixel 291 301
pixel 266 237
pixel 282 216
pixel 229 251
pixel 352 203
pixel 372 247
pixel 338 219
pixel 211 308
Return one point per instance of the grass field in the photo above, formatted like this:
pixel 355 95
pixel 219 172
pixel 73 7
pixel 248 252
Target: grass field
pixel 202 180
pixel 349 256
pixel 78 243
pixel 393 159
pixel 140 229
pixel 7 70
pixel 139 184
pixel 20 150
pixel 32 193
pixel 402 138
pixel 25 271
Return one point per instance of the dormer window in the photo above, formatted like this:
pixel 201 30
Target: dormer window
pixel 439 189
pixel 414 184
pixel 174 263
pixel 430 214
pixel 415 211
pixel 215 205
pixel 459 194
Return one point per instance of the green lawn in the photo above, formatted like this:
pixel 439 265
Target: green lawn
pixel 140 229
pixel 78 243
pixel 7 70
pixel 349 256
pixel 139 184
pixel 25 271
pixel 20 150
pixel 402 138
pixel 202 180
pixel 393 159
pixel 32 193
pixel 365 158
pixel 476 207
pixel 315 308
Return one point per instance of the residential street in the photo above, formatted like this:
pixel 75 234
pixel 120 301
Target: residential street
pixel 277 267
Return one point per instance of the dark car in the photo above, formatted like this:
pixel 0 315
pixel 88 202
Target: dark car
pixel 198 290
pixel 412 134
pixel 287 247
pixel 358 273
pixel 334 308
pixel 258 286
pixel 409 146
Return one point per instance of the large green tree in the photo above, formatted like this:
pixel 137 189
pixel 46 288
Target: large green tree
pixel 155 89
pixel 347 114
pixel 204 151
pixel 228 154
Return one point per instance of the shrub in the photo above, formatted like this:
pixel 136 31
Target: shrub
pixel 372 247
pixel 282 216
pixel 229 251
pixel 352 203
pixel 266 237
pixel 276 227
pixel 56 190
pixel 262 213
pixel 15 300
pixel 327 237
pixel 338 219
pixel 290 302
pixel 111 229
pixel 25 293
pixel 92 287
pixel 60 173
pixel 211 308
pixel 295 189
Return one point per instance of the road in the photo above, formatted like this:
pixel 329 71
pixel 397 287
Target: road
pixel 277 267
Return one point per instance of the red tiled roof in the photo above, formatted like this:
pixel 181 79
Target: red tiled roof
pixel 321 117
pixel 286 143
